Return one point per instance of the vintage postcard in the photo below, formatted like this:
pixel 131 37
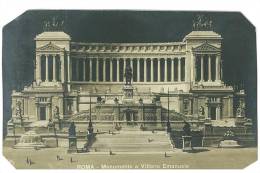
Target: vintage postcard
pixel 129 90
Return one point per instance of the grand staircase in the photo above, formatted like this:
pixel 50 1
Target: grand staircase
pixel 132 139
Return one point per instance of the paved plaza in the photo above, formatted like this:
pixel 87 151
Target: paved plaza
pixel 208 158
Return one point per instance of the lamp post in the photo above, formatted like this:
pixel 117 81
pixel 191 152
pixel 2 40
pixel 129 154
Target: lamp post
pixel 168 117
pixel 14 133
pixel 90 125
pixel 55 134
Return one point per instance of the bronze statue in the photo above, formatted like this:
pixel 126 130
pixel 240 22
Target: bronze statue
pixel 54 24
pixel 56 113
pixel 72 129
pixel 201 110
pixel 128 74
pixel 202 23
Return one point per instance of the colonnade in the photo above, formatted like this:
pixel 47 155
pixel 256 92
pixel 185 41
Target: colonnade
pixel 207 68
pixel 112 69
pixel 49 67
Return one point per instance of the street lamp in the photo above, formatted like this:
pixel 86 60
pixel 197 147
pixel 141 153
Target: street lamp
pixel 168 118
pixel 90 125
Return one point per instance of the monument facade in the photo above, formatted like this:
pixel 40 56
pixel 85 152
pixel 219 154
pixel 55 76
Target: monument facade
pixel 152 84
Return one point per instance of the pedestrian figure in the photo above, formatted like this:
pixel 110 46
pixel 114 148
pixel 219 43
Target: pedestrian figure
pixel 58 157
pixel 108 131
pixel 110 152
pixel 27 160
pixel 97 130
pixel 165 154
pixel 30 162
pixel 71 160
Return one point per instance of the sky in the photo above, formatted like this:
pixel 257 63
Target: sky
pixel 239 43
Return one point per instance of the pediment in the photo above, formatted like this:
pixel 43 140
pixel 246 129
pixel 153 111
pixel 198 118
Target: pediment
pixel 206 47
pixel 49 47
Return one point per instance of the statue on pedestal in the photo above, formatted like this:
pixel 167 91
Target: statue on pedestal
pixel 19 111
pixel 56 115
pixel 128 88
pixel 128 74
pixel 201 111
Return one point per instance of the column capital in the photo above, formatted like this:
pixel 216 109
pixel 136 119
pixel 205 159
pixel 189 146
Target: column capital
pixel 38 54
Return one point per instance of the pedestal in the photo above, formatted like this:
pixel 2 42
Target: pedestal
pixel 186 143
pixel 207 129
pixel 240 121
pixel 72 144
pixel 128 91
pixel 229 144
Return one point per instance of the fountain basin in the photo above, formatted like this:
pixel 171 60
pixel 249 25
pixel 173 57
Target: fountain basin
pixel 30 140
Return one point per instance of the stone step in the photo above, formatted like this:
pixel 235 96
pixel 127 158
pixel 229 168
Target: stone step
pixel 132 148
pixel 129 140
pixel 132 141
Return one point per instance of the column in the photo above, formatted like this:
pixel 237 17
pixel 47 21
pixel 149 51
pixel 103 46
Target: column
pixel 138 70
pixel 165 70
pixel 47 69
pixel 97 70
pixel 111 69
pixel 172 69
pixel 195 66
pixel 218 116
pixel 159 70
pixel 104 70
pixel 209 68
pixel 54 69
pixel 152 74
pixel 77 69
pixel 38 67
pixel 124 70
pixel 217 67
pixel 117 70
pixel 201 69
pixel 131 64
pixel 145 70
pixel 179 69
pixel 84 69
pixel 62 67
pixel 68 68
pixel 90 69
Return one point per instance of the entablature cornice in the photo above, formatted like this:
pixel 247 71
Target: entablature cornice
pixel 127 55
pixel 133 48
